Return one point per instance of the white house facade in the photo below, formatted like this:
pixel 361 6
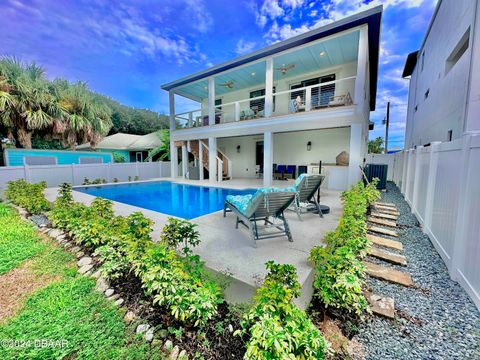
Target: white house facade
pixel 444 90
pixel 291 105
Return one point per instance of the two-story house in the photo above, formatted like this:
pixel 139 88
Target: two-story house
pixel 291 105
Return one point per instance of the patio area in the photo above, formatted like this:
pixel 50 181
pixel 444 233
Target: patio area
pixel 226 250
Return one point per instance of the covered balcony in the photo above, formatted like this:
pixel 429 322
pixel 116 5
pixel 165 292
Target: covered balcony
pixel 321 75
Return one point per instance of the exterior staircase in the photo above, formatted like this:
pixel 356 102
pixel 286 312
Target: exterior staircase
pixel 223 166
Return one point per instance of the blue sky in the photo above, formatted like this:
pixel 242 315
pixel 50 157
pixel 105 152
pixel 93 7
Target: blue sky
pixel 127 49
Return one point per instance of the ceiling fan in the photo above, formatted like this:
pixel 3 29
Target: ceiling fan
pixel 228 84
pixel 284 68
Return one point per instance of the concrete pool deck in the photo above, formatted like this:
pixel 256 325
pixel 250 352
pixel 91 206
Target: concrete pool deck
pixel 227 250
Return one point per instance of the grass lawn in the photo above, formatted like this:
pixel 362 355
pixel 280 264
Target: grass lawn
pixel 64 310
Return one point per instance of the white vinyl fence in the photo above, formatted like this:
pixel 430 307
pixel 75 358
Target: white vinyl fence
pixel 74 174
pixel 441 184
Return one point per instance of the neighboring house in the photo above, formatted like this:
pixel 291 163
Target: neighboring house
pixel 133 148
pixel 444 93
pixel 20 157
pixel 297 102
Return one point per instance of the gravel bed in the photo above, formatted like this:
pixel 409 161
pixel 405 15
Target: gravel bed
pixel 435 319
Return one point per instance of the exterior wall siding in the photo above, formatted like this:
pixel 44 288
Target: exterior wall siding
pixel 15 157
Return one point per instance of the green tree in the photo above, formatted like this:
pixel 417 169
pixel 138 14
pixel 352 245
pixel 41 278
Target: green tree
pixel 87 119
pixel 26 102
pixel 376 146
pixel 163 149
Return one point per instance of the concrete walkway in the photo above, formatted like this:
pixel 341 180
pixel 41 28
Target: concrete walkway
pixel 227 250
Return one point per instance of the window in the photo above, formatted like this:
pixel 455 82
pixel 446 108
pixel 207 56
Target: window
pixel 449 135
pixel 415 108
pixel 427 93
pixel 458 51
pixel 259 104
pixel 326 92
pixel 217 107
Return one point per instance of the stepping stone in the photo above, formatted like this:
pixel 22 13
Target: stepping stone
pixel 84 261
pixel 393 244
pixel 85 268
pixel 384 216
pixel 382 230
pixel 382 221
pixel 388 256
pixel 387 212
pixel 379 305
pixel 385 208
pixel 388 274
pixel 385 204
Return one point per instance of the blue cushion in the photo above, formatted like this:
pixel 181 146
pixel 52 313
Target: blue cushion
pixel 241 202
pixel 299 180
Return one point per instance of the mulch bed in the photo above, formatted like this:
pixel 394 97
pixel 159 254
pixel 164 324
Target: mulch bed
pixel 213 341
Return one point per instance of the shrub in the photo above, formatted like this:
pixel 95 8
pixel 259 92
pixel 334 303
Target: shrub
pixel 339 282
pixel 124 244
pixel 276 327
pixel 118 158
pixel 28 196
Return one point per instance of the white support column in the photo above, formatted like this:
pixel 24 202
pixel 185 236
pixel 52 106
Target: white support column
pixel 416 180
pixel 308 99
pixel 269 87
pixel 237 111
pixel 173 160
pixel 355 160
pixel 212 159
pixel 211 101
pixel 361 79
pixel 184 161
pixel 432 169
pixel 267 159
pixel 171 102
pixel 200 159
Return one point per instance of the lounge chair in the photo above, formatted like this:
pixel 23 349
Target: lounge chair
pixel 264 204
pixel 305 188
pixel 279 171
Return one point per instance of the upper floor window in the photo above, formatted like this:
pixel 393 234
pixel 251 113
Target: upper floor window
pixel 457 51
pixel 321 96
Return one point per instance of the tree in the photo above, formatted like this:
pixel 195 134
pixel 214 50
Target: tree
pixel 26 102
pixel 376 146
pixel 87 118
pixel 163 149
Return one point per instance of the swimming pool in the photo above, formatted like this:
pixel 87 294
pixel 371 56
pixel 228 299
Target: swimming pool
pixel 181 200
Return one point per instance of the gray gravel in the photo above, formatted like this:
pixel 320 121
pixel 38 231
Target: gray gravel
pixel 434 320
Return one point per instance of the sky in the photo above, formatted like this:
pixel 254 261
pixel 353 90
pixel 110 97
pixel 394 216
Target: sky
pixel 127 49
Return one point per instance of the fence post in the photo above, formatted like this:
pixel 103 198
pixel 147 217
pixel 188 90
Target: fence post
pixel 26 172
pixel 72 168
pixel 461 223
pixel 109 171
pixel 416 180
pixel 404 172
pixel 407 175
pixel 432 170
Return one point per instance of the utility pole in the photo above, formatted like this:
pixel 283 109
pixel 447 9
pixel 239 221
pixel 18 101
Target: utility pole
pixel 387 122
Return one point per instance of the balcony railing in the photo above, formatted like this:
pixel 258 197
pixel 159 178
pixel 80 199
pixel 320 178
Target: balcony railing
pixel 316 97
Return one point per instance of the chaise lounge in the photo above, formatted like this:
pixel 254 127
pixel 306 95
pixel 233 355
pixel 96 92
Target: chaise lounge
pixel 264 204
pixel 305 188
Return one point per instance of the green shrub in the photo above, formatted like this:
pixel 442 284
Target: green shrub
pixel 339 281
pixel 118 158
pixel 124 244
pixel 277 328
pixel 29 196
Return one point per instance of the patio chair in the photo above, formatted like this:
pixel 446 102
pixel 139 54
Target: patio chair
pixel 305 187
pixel 279 171
pixel 264 204
pixel 290 172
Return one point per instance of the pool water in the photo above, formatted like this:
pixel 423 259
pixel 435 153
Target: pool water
pixel 180 200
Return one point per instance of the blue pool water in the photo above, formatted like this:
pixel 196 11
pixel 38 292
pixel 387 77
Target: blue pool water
pixel 181 200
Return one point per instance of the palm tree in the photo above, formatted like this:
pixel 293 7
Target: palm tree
pixel 163 149
pixel 26 102
pixel 88 119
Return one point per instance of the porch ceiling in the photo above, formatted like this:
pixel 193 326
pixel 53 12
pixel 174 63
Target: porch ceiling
pixel 308 59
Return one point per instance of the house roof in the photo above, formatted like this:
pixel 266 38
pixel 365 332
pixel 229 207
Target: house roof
pixel 121 141
pixel 371 17
pixel 410 64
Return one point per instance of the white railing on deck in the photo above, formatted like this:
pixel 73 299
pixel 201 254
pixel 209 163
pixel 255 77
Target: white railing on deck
pixel 309 98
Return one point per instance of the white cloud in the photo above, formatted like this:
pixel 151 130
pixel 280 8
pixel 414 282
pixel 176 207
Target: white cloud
pixel 201 19
pixel 292 3
pixel 244 47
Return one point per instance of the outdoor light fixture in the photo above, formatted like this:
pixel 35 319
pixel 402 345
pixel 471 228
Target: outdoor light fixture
pixel 238 148
pixel 309 146
pixel 322 53
pixel 253 74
